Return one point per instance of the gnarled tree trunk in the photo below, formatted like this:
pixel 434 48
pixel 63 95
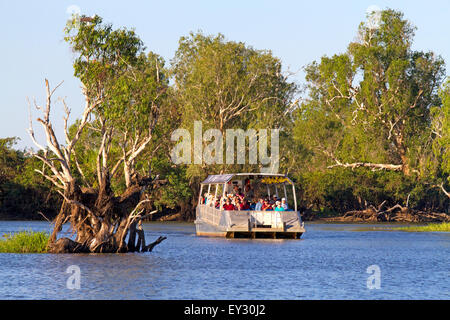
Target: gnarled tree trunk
pixel 102 222
pixel 99 219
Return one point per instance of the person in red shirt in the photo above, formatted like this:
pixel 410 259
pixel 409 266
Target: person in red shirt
pixel 266 206
pixel 228 205
pixel 245 205
pixel 238 204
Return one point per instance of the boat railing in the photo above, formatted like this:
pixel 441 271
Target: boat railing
pixel 210 214
pixel 266 218
pixel 238 218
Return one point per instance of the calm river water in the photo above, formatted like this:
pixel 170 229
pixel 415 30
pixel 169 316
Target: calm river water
pixel 330 262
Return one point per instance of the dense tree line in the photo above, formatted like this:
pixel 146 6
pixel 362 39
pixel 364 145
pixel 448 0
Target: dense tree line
pixel 374 123
pixel 370 128
pixel 23 193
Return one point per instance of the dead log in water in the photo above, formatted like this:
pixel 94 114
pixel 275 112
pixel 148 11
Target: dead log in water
pixel 396 213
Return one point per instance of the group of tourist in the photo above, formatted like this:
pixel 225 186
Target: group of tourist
pixel 237 201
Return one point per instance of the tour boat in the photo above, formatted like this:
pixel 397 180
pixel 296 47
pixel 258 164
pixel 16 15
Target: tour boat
pixel 213 220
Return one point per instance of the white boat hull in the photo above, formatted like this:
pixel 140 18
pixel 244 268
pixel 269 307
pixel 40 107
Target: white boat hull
pixel 248 224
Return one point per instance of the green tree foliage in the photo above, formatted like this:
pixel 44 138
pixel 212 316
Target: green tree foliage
pixel 368 110
pixel 438 164
pixel 112 66
pixel 137 113
pixel 442 132
pixel 228 84
pixel 23 193
pixel 10 159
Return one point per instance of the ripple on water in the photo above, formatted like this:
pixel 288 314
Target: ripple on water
pixel 330 262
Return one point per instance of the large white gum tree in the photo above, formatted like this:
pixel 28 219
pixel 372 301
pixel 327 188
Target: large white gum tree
pixel 125 91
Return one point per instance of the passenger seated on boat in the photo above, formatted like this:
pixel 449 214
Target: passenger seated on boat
pixel 225 197
pixel 210 201
pixel 228 205
pixel 266 206
pixel 273 200
pixel 223 201
pixel 253 204
pixel 240 194
pixel 284 204
pixel 207 198
pixel 240 204
pixel 244 205
pixel 278 206
pixel 248 190
pixel 259 204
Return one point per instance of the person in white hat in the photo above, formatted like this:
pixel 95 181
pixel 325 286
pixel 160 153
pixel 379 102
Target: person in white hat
pixel 284 204
pixel 278 206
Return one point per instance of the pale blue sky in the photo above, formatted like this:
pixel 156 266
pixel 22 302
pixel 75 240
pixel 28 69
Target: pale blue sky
pixel 298 32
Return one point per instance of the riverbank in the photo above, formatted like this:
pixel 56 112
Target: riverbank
pixel 374 215
pixel 365 216
pixel 432 227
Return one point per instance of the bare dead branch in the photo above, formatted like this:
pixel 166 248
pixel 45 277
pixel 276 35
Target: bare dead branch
pixel 441 186
pixel 79 204
pixel 373 166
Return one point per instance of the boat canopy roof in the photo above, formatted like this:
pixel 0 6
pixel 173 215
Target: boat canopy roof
pixel 225 178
